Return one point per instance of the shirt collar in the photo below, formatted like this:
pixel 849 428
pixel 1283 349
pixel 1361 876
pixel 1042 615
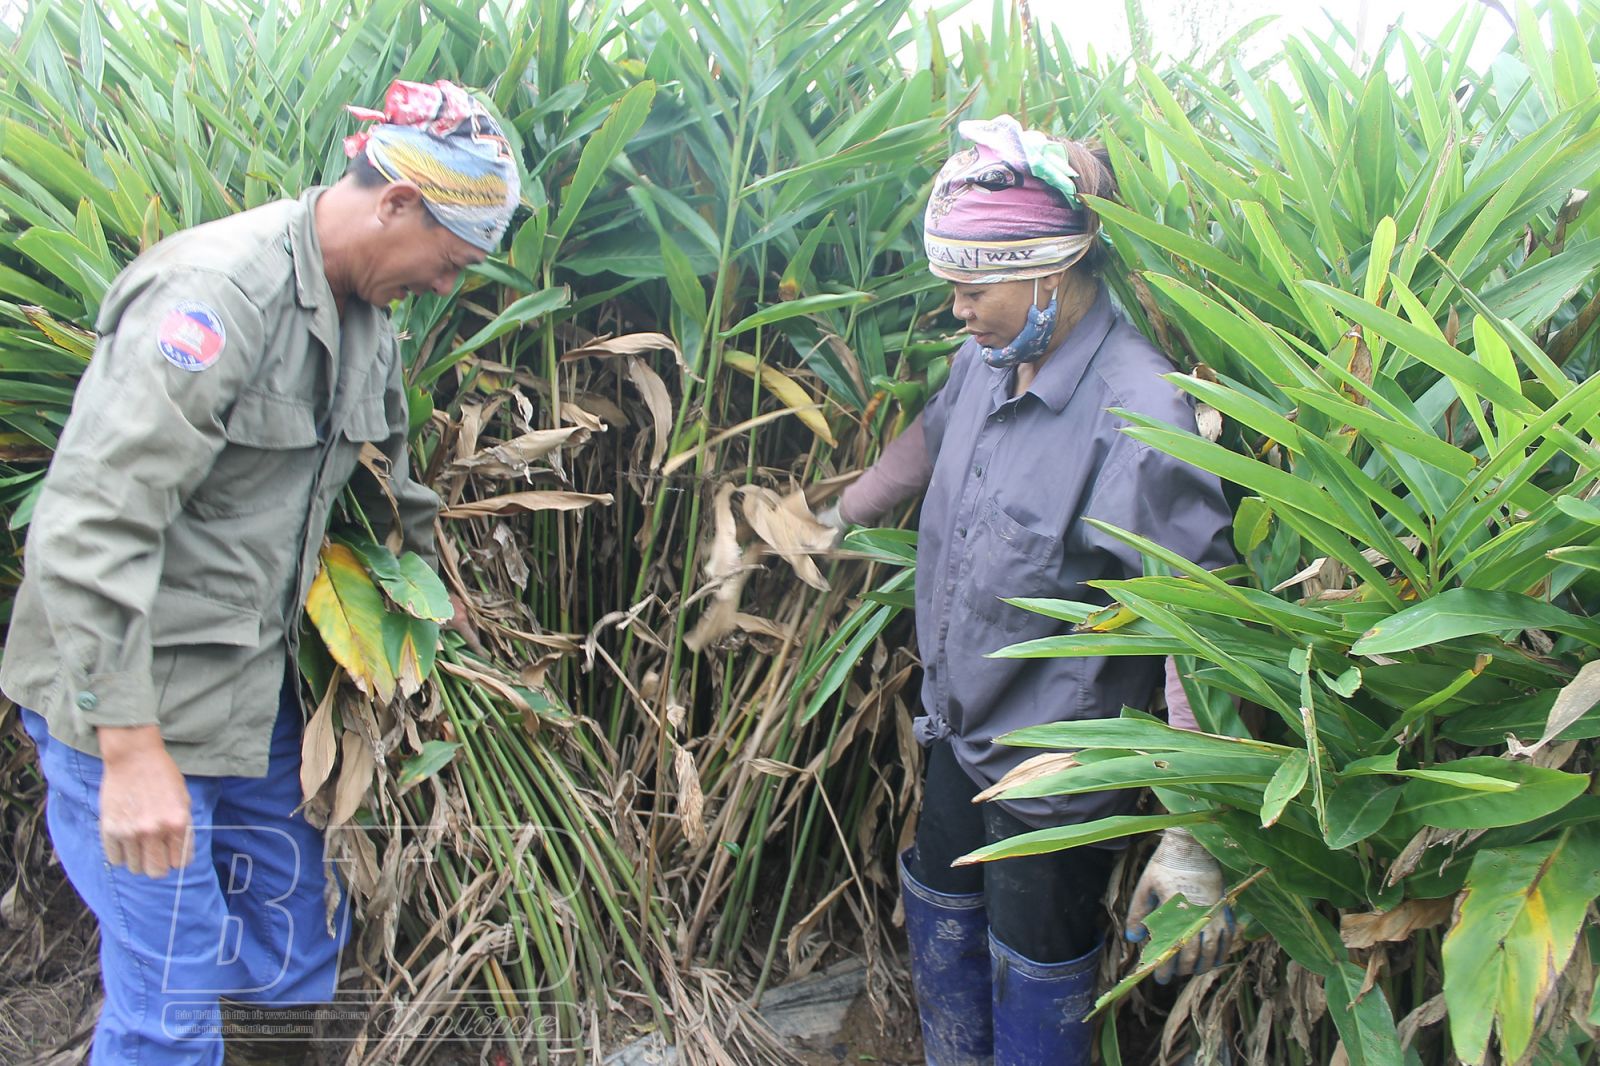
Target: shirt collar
pixel 1058 377
pixel 310 272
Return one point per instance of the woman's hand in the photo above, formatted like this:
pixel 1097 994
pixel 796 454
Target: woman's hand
pixel 829 516
pixel 145 821
pixel 1180 865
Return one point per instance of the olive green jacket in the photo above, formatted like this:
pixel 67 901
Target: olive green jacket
pixel 178 528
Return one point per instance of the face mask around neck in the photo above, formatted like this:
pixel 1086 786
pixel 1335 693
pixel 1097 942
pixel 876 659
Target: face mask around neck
pixel 1032 342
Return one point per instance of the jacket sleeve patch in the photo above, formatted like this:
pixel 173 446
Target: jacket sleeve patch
pixel 191 336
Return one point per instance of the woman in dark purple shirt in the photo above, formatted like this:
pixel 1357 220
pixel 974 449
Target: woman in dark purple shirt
pixel 1015 451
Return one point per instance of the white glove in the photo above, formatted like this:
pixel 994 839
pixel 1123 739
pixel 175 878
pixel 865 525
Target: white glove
pixel 829 516
pixel 1181 866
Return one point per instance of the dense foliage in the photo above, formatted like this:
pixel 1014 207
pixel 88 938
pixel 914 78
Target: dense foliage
pixel 670 759
pixel 1398 343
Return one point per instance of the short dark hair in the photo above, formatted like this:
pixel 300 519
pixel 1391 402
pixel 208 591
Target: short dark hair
pixel 367 176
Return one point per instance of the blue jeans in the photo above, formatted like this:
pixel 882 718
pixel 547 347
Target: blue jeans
pixel 246 919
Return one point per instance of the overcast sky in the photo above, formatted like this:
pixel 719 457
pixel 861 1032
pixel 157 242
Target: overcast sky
pixel 1104 24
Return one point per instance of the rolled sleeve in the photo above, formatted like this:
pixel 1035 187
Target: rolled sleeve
pixel 142 434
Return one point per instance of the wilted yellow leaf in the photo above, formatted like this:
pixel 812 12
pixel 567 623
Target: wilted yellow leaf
pixel 787 391
pixel 348 611
pixel 1108 619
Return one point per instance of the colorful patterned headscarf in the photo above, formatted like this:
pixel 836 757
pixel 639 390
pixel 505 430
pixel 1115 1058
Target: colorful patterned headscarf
pixel 440 138
pixel 1006 209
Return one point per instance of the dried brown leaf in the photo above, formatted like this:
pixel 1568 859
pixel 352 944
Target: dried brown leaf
pixel 789 529
pixel 1152 313
pixel 597 407
pixel 1365 930
pixel 1573 701
pixel 1028 771
pixel 355 776
pixel 1360 366
pixel 1255 1053
pixel 847 359
pixel 571 412
pixel 318 747
pixel 1308 1002
pixel 468 428
pixel 723 559
pixel 377 464
pixel 657 399
pixel 691 798
pixel 1538 641
pixel 1375 964
pixel 515 457
pixel 1311 570
pixel 627 344
pixel 502 687
pixel 758 626
pixel 533 675
pixel 773 768
pixel 1188 1012
pixel 521 502
pixel 1430 1013
pixel 723 615
pixel 803 928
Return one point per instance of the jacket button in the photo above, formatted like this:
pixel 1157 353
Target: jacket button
pixel 87 701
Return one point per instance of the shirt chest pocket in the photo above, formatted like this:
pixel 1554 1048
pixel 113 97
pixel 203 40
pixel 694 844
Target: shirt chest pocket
pixel 367 421
pixel 270 457
pixel 1008 560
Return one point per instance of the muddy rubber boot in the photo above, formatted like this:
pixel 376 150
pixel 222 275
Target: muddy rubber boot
pixel 1041 1009
pixel 949 938
pixel 266 1036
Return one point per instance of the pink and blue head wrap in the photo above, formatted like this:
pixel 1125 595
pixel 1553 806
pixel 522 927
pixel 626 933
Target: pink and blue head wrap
pixel 442 140
pixel 1006 209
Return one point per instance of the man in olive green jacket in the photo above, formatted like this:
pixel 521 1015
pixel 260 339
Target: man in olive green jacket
pixel 241 368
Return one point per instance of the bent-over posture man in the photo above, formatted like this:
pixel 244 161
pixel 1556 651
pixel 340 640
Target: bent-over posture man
pixel 241 367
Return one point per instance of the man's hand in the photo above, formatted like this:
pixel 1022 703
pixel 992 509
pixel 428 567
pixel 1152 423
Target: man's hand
pixel 145 823
pixel 1181 866
pixel 461 622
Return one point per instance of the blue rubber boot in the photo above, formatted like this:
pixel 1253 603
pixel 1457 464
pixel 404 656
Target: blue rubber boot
pixel 950 968
pixel 1041 1009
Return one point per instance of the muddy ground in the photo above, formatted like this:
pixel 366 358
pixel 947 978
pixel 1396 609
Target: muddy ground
pixel 50 995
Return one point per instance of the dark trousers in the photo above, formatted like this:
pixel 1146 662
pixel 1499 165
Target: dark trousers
pixel 1044 907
